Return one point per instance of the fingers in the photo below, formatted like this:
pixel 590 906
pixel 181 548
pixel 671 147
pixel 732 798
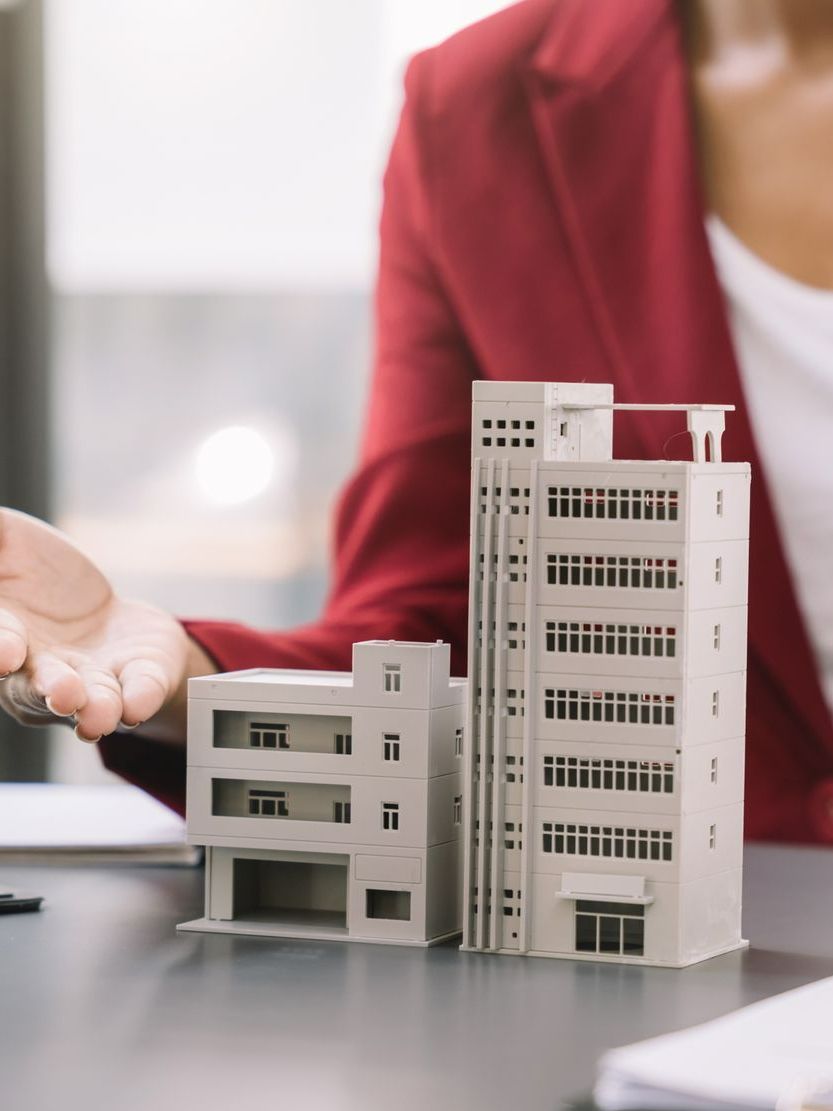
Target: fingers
pixel 145 686
pixel 58 684
pixel 47 686
pixel 101 711
pixel 82 690
pixel 13 643
pixel 27 692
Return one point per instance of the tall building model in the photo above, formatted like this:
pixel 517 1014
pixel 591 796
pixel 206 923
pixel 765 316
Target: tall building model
pixel 606 706
pixel 330 804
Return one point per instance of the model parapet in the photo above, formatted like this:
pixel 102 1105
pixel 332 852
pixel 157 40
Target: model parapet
pixel 330 803
pixel 607 663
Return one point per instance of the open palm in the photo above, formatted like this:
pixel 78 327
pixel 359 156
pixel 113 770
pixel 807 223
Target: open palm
pixel 69 645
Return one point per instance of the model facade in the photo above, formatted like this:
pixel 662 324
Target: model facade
pixel 330 803
pixel 607 656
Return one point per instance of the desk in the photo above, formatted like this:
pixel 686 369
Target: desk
pixel 103 1007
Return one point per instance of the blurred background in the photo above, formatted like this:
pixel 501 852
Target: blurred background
pixel 189 194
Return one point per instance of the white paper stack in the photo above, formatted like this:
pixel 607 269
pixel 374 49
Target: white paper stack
pixel 54 823
pixel 773 1054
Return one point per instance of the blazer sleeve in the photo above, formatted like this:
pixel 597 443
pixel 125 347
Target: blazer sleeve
pixel 400 561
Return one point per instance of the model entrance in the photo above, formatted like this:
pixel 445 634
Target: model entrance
pixel 614 928
pixel 292 894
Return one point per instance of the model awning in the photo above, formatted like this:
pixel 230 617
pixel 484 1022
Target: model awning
pixel 594 887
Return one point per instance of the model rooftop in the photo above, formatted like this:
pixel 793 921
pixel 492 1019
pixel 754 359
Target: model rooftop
pixel 572 421
pixel 290 678
pixel 582 395
pixel 280 677
pixel 407 674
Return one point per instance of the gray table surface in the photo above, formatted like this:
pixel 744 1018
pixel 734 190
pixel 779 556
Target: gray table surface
pixel 104 1006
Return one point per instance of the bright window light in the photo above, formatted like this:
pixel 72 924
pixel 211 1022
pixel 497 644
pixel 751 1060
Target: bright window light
pixel 234 465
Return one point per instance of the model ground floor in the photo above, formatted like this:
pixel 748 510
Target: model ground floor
pixel 614 918
pixel 361 894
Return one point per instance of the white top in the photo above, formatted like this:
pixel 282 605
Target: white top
pixel 783 339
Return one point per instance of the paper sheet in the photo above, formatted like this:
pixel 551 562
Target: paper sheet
pixel 776 1052
pixel 48 818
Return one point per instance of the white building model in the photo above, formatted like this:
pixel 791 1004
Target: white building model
pixel 330 804
pixel 607 656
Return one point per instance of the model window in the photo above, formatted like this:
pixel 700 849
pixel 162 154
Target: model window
pixel 395 906
pixel 713 770
pixel 620 572
pixel 718 569
pixel 596 639
pixel 616 842
pixel 615 928
pixel 516 561
pixel 457 810
pixel 513 762
pixel 518 502
pixel 268 804
pixel 393 678
pixel 712 836
pixel 609 707
pixel 515 702
pixel 268 735
pixel 341 812
pixel 715 704
pixel 511 902
pixel 651 776
pixel 390 750
pixel 458 742
pixel 613 504
pixel 509 842
pixel 492 575
pixel 344 744
pixel 513 641
pixel 718 503
pixel 390 815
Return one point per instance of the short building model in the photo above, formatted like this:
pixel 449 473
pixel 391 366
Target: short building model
pixel 607 664
pixel 330 804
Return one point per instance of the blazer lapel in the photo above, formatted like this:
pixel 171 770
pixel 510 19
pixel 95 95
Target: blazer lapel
pixel 611 108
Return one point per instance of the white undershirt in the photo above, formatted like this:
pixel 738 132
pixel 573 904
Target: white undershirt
pixel 783 339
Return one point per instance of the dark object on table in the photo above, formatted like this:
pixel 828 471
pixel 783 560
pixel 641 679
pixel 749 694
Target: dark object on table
pixel 17 902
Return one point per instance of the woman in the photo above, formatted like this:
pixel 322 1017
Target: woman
pixel 632 191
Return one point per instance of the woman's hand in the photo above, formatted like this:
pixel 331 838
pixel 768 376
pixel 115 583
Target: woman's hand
pixel 71 648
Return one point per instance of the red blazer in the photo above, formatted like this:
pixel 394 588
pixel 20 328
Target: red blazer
pixel 542 220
